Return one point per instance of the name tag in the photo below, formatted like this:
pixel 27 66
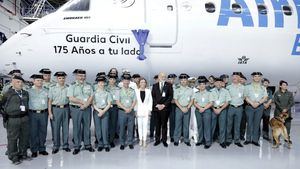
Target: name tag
pixel 85 99
pixel 43 102
pixel 240 94
pixel 22 108
pixel 103 101
pixel 114 97
pixel 203 99
pixel 188 99
pixel 127 101
pixel 217 102
pixel 256 95
pixel 163 94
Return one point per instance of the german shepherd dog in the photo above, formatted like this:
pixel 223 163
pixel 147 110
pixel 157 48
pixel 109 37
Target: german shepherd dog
pixel 278 128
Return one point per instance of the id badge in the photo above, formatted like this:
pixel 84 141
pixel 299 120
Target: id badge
pixel 188 99
pixel 127 101
pixel 218 102
pixel 256 95
pixel 22 108
pixel 203 99
pixel 163 94
pixel 240 95
pixel 43 102
pixel 114 97
pixel 85 99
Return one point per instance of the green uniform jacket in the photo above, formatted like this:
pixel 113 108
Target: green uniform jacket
pixel 283 101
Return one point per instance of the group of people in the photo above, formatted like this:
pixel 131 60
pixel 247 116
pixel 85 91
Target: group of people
pixel 123 106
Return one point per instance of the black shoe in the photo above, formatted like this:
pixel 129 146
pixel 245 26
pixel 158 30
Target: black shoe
pixel 255 143
pixel 112 145
pixel 188 144
pixel 131 146
pixel 288 141
pixel 122 147
pixel 90 149
pixel 25 158
pixel 156 143
pixel 45 153
pixel 247 142
pixel 151 135
pixel 107 149
pixel 165 144
pixel 242 138
pixel 76 151
pixel 17 162
pixel 100 149
pixel 223 145
pixel 207 146
pixel 172 140
pixel 239 144
pixel 199 143
pixel 175 143
pixel 228 144
pixel 54 151
pixel 67 149
pixel 33 155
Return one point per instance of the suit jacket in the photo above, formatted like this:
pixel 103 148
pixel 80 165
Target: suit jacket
pixel 165 97
pixel 143 108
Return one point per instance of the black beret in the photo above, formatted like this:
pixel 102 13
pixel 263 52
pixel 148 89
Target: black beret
pixel 224 76
pixel 79 71
pixel 155 77
pixel 202 79
pixel 136 76
pixel 265 80
pixel 15 71
pixel 36 76
pixel 172 75
pixel 183 76
pixel 237 73
pixel 45 71
pixel 18 78
pixel 126 76
pixel 256 73
pixel 100 79
pixel 101 74
pixel 59 74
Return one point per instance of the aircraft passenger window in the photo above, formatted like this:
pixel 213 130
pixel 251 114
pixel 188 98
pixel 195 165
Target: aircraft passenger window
pixel 78 5
pixel 262 9
pixel 236 8
pixel 287 10
pixel 210 7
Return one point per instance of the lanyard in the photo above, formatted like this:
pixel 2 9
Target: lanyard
pixel 20 94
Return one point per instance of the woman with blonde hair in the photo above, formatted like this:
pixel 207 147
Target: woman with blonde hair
pixel 143 109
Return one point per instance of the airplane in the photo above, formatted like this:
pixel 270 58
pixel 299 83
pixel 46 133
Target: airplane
pixel 198 37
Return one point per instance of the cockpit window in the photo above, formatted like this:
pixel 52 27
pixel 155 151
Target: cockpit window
pixel 78 5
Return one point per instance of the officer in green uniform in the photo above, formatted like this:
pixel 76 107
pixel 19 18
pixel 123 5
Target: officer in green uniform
pixel 183 97
pixel 284 101
pixel 255 95
pixel 101 104
pixel 58 109
pixel 15 116
pixel 113 89
pixel 171 80
pixel 235 110
pixel 126 101
pixel 203 102
pixel 15 72
pixel 267 110
pixel 80 94
pixel 38 113
pixel 221 98
pixel 95 85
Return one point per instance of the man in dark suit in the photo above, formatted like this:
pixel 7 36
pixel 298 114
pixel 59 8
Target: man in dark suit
pixel 162 93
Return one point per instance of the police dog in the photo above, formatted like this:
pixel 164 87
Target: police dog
pixel 278 128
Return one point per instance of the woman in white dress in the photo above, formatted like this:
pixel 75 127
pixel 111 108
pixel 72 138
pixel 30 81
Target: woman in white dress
pixel 143 109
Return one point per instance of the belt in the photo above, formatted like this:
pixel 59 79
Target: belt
pixel 74 106
pixel 39 111
pixel 236 106
pixel 61 106
pixel 114 105
pixel 218 107
pixel 17 116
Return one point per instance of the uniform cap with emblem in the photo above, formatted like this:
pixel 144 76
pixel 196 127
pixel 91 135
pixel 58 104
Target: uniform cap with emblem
pixel 112 75
pixel 79 71
pixel 59 74
pixel 184 76
pixel 224 76
pixel 136 76
pixel 218 79
pixel 243 77
pixel 15 71
pixel 256 73
pixel 237 73
pixel 45 71
pixel 202 79
pixel 18 78
pixel 265 80
pixel 192 79
pixel 100 79
pixel 126 76
pixel 36 76
pixel 101 74
pixel 172 75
